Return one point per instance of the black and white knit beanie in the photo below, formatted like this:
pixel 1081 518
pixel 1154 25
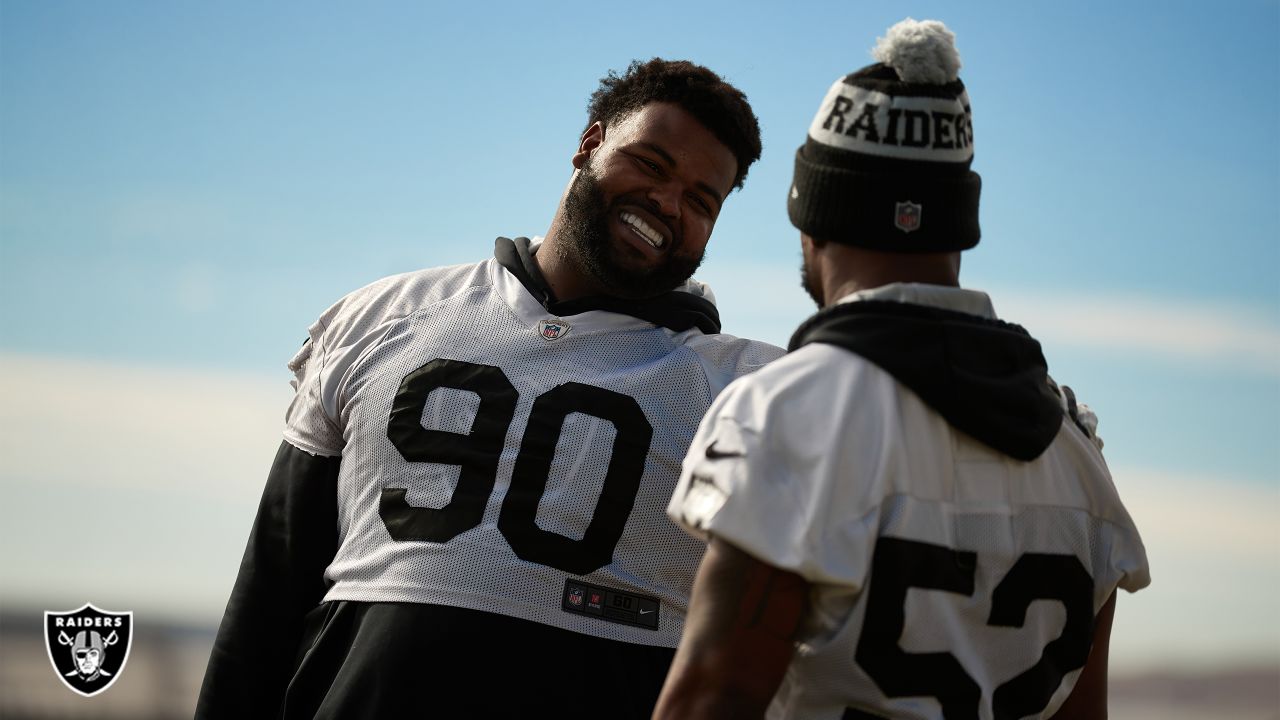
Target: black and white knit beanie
pixel 886 163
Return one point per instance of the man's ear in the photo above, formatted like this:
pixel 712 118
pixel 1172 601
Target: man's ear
pixel 813 242
pixel 591 139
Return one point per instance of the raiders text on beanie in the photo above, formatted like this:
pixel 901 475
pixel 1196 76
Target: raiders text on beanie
pixel 886 163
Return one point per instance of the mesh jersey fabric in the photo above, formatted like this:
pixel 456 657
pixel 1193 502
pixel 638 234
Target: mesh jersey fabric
pixel 348 376
pixel 822 456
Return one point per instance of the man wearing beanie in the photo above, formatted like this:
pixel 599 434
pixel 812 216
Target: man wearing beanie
pixel 907 517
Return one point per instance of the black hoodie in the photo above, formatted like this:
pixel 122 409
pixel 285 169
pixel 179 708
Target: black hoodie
pixel 674 310
pixel 987 378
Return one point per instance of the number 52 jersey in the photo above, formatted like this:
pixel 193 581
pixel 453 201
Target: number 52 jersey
pixel 960 532
pixel 498 457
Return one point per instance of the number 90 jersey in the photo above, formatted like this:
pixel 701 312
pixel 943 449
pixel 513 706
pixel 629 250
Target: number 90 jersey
pixel 499 458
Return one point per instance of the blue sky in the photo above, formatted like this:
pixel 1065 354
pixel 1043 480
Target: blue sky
pixel 185 186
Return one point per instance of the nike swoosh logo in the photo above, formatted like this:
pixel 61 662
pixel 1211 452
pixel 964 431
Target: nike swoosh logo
pixel 645 612
pixel 714 454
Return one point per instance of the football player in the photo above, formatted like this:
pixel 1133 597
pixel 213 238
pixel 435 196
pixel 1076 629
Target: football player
pixel 907 518
pixel 466 516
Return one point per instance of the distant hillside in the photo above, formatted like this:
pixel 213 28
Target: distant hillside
pixel 1245 693
pixel 167 661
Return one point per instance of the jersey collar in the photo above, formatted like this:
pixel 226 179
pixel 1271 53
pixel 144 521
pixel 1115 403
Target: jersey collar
pixel 970 302
pixel 676 310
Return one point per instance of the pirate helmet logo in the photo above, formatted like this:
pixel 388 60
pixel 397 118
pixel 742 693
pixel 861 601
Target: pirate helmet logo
pixel 88 647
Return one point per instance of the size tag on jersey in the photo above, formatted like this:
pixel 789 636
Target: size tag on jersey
pixel 612 605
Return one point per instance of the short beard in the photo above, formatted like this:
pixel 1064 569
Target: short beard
pixel 810 283
pixel 587 245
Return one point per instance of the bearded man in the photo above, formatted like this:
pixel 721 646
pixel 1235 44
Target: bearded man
pixel 466 516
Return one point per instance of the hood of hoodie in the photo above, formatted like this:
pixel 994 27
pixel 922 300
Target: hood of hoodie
pixel 987 378
pixel 688 306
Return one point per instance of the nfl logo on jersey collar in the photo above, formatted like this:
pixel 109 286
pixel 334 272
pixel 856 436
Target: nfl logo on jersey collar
pixel 552 329
pixel 539 320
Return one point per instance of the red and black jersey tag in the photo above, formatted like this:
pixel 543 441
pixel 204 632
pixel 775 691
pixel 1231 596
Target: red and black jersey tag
pixel 612 605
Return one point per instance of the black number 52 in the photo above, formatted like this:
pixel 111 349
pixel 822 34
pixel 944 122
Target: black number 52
pixel 900 564
pixel 477 453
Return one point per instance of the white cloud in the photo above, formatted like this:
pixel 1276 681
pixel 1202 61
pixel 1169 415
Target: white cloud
pixel 107 425
pixel 1214 550
pixel 1205 332
pixel 134 486
pixel 766 302
pixel 165 467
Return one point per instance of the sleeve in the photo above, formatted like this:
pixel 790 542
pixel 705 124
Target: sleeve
pixel 312 420
pixel 336 344
pixel 281 579
pixel 762 475
pixel 725 358
pixel 293 540
pixel 1127 555
pixel 1129 560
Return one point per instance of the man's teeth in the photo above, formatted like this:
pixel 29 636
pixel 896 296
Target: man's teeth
pixel 648 233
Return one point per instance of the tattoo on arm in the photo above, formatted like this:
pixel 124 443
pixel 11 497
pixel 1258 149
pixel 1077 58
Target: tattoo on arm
pixel 741 608
pixel 774 600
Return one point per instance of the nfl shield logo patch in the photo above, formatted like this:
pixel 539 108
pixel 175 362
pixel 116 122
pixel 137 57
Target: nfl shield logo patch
pixel 552 329
pixel 906 216
pixel 88 647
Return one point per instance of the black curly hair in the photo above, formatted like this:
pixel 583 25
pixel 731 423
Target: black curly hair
pixel 719 106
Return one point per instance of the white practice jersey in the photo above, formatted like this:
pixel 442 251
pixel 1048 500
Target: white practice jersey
pixel 498 458
pixel 942 570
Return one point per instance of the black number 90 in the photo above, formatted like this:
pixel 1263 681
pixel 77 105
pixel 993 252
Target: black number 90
pixel 477 454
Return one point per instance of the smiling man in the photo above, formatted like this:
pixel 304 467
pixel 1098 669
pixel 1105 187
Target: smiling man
pixel 466 516
pixel 656 182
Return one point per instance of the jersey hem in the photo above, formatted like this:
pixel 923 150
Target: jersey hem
pixel 309 448
pixel 499 606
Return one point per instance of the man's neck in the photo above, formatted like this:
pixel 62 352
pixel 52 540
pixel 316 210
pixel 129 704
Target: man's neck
pixel 566 280
pixel 847 270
